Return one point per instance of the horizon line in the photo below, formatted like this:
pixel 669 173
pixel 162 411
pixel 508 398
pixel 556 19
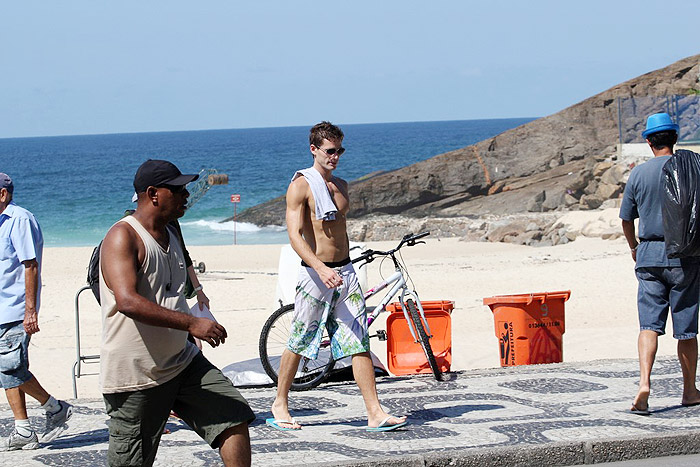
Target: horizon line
pixel 253 128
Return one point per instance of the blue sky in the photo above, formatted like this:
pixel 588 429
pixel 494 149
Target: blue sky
pixel 81 67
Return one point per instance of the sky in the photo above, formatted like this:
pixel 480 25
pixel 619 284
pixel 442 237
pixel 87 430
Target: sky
pixel 91 67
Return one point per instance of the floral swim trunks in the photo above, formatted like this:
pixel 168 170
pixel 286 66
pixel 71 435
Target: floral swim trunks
pixel 340 310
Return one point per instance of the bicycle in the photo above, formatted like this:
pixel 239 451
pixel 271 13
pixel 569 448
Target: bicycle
pixel 311 373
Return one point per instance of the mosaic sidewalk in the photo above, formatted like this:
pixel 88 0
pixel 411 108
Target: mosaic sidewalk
pixel 486 414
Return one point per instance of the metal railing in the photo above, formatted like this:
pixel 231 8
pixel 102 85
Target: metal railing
pixel 79 357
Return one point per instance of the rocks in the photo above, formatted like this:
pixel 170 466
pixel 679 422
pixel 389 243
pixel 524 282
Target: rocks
pixel 592 187
pixel 535 204
pixel 507 230
pixel 531 229
pixel 605 191
pixel 590 202
pixel 581 181
pixel 479 180
pixel 600 168
pixel 586 132
pixel 394 227
pixel 615 175
pixel 569 200
pixel 496 187
pixel 554 199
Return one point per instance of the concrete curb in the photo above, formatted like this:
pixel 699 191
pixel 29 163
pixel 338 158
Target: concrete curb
pixel 561 454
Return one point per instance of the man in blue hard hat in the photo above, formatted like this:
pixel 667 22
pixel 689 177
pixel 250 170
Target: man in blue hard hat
pixel 663 282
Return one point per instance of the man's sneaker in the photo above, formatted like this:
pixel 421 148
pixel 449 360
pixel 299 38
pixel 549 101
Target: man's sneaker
pixel 56 422
pixel 15 442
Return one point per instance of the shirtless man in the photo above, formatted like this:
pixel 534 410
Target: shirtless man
pixel 328 292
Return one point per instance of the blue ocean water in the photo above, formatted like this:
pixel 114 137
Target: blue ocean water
pixel 78 186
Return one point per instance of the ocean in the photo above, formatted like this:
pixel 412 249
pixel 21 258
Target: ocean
pixel 78 186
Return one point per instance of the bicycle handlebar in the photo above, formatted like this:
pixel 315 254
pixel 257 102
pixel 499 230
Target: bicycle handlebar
pixel 407 240
pixel 413 238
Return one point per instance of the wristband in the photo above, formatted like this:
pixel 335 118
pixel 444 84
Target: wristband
pixel 199 288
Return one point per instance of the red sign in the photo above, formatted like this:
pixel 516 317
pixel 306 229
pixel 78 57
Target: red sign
pixel 235 198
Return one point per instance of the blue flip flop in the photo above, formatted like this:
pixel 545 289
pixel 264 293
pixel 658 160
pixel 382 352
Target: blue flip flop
pixel 274 423
pixel 385 426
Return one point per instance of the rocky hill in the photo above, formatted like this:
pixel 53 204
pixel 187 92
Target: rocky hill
pixel 565 161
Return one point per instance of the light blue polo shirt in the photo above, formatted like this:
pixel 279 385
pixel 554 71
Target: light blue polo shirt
pixel 20 240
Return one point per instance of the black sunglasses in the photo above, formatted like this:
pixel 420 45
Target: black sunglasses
pixel 174 188
pixel 333 151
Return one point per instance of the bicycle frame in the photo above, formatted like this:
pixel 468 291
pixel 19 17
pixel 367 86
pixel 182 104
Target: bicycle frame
pixel 399 283
pixel 397 287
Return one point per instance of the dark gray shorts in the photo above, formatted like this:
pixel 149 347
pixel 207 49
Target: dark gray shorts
pixel 661 288
pixel 201 396
pixel 14 355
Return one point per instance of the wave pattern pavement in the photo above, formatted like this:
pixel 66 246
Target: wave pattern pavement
pixel 557 414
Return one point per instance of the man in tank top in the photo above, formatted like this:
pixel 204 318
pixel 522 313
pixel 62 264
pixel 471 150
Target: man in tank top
pixel 328 294
pixel 148 367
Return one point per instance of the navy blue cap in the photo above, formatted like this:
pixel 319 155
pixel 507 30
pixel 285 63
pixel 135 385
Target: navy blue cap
pixel 155 172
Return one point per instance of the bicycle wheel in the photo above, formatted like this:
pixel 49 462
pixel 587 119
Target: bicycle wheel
pixel 423 338
pixel 273 341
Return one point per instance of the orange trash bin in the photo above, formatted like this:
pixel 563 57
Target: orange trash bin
pixel 405 356
pixel 529 327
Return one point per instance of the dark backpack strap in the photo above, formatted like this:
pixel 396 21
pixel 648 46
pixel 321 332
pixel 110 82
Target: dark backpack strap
pixel 93 275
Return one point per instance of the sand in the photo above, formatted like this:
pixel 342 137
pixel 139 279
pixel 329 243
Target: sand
pixel 601 318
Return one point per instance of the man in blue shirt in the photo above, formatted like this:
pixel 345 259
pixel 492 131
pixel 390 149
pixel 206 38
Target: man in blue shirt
pixel 21 246
pixel 663 282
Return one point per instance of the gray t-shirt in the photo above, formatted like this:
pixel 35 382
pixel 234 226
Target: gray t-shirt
pixel 642 199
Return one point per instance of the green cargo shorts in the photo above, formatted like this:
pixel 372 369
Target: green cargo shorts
pixel 201 396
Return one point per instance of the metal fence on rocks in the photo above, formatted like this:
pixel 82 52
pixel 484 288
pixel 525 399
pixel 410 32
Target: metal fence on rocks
pixel 683 109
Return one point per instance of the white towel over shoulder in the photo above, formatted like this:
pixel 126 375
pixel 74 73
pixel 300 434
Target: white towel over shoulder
pixel 325 207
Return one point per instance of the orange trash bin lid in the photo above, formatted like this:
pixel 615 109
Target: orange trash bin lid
pixel 527 298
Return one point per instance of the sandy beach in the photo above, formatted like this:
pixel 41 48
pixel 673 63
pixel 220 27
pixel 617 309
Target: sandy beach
pixel 241 280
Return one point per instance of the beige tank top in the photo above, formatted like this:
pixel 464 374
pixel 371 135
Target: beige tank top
pixel 135 355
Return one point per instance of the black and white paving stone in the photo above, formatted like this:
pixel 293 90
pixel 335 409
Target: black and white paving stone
pixel 523 406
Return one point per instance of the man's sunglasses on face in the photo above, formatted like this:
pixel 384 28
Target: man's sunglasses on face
pixel 176 189
pixel 333 151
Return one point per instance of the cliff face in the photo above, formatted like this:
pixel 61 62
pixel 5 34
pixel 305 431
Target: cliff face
pixel 501 174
